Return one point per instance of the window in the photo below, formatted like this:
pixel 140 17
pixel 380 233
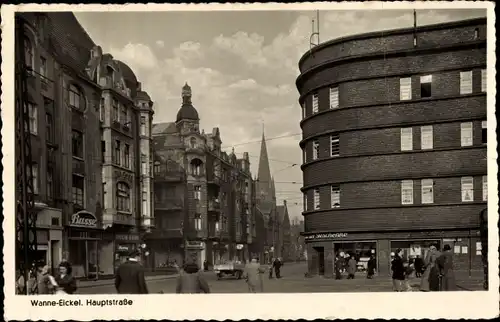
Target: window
pixel 426 137
pixel 143 125
pixel 116 156
pixel 192 143
pixel 103 151
pixel 466 134
pixel 315 104
pixel 122 197
pixel 406 139
pixel 197 192
pixel 334 145
pixel 426 86
pixel 217 226
pixel 405 88
pixel 33 115
pixel 466 82
pixel 102 109
pixel 114 110
pixel 305 201
pixel 484 80
pixel 28 53
pixel 315 149
pixel 78 191
pixel 485 188
pixel 126 156
pixel 34 169
pixel 50 183
pixel 407 192
pixel 304 155
pixel 43 67
pixel 74 97
pixel 476 33
pixel 197 222
pixel 467 189
pixel 144 164
pixel 316 199
pixel 303 108
pixel 196 170
pixel 334 97
pixel 484 132
pixel 427 191
pixel 335 197
pixel 157 167
pixel 145 204
pixel 123 114
pixel 49 128
pixel 77 143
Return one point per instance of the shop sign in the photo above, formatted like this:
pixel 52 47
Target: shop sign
pixel 83 219
pixel 127 237
pixel 123 248
pixel 325 236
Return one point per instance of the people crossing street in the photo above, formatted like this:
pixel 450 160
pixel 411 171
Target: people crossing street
pixel 129 277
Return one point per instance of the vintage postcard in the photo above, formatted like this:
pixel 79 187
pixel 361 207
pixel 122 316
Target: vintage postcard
pixel 250 161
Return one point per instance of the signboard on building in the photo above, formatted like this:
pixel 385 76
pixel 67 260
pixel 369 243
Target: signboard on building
pixel 127 237
pixel 83 219
pixel 325 236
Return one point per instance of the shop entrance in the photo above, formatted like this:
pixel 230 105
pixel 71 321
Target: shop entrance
pixel 414 248
pixel 361 251
pixel 320 252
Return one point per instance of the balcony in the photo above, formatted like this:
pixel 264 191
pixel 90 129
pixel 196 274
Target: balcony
pixel 78 166
pixel 170 204
pixel 169 176
pixel 213 206
pixel 120 219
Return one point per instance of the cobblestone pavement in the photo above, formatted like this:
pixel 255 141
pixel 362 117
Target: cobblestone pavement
pixel 293 281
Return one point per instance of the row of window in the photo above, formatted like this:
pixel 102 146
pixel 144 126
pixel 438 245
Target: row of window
pixel 427 192
pixel 426 139
pixel 121 156
pixel 405 90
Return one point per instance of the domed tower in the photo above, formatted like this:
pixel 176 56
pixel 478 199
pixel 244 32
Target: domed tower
pixel 187 118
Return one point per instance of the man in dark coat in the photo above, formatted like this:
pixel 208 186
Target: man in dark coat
pixel 372 265
pixel 277 267
pixel 398 271
pixel 129 277
pixel 445 265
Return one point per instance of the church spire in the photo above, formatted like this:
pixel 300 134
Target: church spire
pixel 264 172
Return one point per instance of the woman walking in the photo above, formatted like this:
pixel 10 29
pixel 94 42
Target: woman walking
pixel 430 278
pixel 398 271
pixel 65 281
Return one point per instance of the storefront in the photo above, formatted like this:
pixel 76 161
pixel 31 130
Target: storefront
pixel 124 245
pixel 220 252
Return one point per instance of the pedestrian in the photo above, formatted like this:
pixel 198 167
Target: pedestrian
pixel 205 265
pixel 253 276
pixel 430 278
pixel 191 280
pixel 338 267
pixel 419 263
pixel 277 267
pixel 371 266
pixel 446 272
pixel 44 281
pixel 398 271
pixel 129 277
pixel 65 281
pixel 351 268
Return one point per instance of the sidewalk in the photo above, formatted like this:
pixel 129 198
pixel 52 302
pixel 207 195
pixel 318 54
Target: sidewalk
pixel 111 281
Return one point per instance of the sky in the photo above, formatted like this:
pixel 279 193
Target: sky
pixel 242 68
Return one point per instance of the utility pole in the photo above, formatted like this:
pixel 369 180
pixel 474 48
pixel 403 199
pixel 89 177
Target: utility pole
pixel 26 242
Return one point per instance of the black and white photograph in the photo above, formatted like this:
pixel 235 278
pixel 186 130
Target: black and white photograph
pixel 158 151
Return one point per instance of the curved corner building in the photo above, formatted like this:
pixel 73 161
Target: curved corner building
pixel 394 142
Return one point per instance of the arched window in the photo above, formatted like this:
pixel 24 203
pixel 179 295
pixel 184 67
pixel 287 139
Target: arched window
pixel 196 167
pixel 75 98
pixel 192 143
pixel 157 167
pixel 122 197
pixel 28 53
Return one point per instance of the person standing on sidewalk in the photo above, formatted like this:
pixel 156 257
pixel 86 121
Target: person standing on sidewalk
pixel 430 277
pixel 371 266
pixel 277 267
pixel 253 276
pixel 446 273
pixel 65 281
pixel 398 271
pixel 129 277
pixel 351 267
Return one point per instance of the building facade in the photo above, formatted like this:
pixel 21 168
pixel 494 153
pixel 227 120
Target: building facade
pixel 203 196
pixel 394 143
pixel 69 86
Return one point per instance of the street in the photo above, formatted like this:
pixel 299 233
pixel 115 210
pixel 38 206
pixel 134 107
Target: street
pixel 293 281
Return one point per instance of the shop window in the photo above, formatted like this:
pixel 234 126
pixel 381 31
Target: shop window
pixel 406 139
pixel 126 156
pixel 466 82
pixel 316 199
pixel 405 89
pixel 315 149
pixel 484 132
pixel 427 191
pixel 33 117
pixel 78 189
pixel 77 143
pixel 484 80
pixel 467 184
pixel 426 86
pixel 335 145
pixel 335 197
pixel 426 137
pixel 334 97
pixel 466 134
pixel 407 192
pixel 485 188
pixel 123 197
pixel 315 103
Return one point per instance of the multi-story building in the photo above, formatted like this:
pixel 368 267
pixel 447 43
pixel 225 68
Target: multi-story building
pixel 394 142
pixel 70 82
pixel 202 194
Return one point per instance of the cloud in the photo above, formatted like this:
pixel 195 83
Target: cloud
pixel 136 56
pixel 160 43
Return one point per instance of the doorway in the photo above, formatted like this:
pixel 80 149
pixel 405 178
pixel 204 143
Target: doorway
pixel 320 252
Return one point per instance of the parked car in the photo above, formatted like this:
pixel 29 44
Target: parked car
pixel 231 268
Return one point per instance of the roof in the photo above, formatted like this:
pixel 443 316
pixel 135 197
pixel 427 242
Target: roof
pixel 128 75
pixel 141 95
pixel 164 128
pixel 187 112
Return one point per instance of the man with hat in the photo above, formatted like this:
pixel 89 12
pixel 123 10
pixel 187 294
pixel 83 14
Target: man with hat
pixel 129 277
